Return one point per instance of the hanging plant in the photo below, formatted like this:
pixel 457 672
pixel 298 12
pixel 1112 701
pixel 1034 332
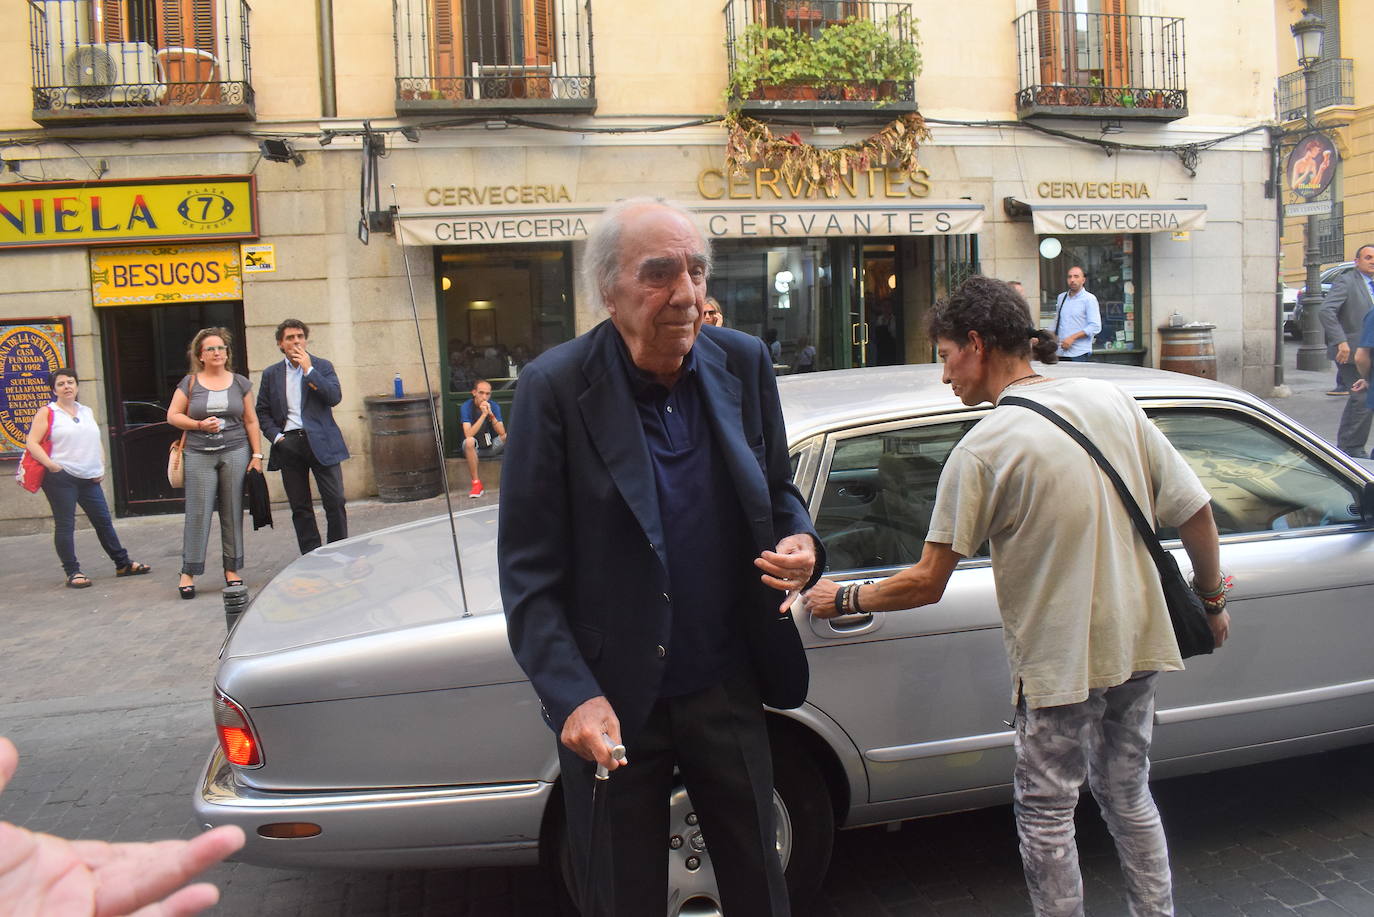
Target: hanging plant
pixel 750 142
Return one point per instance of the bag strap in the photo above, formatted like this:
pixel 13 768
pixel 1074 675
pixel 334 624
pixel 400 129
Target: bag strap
pixel 1147 532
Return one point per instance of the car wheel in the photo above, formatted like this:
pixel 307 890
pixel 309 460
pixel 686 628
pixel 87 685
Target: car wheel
pixel 805 836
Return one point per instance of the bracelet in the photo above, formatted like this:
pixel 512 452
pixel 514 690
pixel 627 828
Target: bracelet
pixel 854 599
pixel 1223 586
pixel 1214 606
pixel 839 600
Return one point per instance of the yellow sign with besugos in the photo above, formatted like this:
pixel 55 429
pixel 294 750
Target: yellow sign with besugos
pixel 214 207
pixel 165 274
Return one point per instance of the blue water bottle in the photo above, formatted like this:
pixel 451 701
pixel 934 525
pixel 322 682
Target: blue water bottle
pixel 397 388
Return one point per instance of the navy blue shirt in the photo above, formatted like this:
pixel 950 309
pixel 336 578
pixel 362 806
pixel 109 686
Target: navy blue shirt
pixel 705 535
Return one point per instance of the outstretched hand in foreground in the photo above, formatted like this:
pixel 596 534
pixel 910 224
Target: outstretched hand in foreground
pixel 42 875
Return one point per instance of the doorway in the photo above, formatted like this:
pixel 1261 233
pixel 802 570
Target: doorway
pixel 145 357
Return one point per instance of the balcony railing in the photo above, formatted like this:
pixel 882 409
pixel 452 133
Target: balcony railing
pixel 99 61
pixel 1100 65
pixel 1333 79
pixel 841 57
pixel 1331 235
pixel 494 55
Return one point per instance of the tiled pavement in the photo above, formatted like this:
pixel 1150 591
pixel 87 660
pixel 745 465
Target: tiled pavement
pixel 105 690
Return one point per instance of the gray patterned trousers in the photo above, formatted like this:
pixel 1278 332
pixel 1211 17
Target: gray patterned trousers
pixel 1105 739
pixel 214 480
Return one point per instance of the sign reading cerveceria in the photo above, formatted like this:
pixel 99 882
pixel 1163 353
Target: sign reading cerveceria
pixel 152 210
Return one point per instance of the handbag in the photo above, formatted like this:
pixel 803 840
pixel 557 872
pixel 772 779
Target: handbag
pixel 1186 614
pixel 176 471
pixel 31 471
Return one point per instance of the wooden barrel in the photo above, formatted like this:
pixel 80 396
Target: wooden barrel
pixel 1189 349
pixel 405 462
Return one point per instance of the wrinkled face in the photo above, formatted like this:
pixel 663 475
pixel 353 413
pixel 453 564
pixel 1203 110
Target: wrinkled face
pixel 481 393
pixel 1364 261
pixel 291 338
pixel 213 351
pixel 1076 279
pixel 64 387
pixel 965 370
pixel 657 299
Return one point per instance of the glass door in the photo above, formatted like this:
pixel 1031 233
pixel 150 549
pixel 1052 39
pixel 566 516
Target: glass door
pixel 145 358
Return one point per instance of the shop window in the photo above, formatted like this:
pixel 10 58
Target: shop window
pixel 500 307
pixel 778 293
pixel 1112 267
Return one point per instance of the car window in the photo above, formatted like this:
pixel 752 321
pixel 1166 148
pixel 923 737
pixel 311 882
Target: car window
pixel 1260 481
pixel 878 494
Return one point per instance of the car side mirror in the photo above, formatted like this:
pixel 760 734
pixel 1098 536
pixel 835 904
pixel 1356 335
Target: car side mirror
pixel 1367 503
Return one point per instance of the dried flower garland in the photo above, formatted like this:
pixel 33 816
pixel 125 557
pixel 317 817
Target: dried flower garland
pixel 750 141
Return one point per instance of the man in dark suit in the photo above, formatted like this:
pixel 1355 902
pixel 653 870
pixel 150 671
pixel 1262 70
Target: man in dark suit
pixel 651 544
pixel 1342 315
pixel 295 407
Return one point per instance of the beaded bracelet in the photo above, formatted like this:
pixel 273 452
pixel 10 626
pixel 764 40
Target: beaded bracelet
pixel 839 600
pixel 854 599
pixel 1223 586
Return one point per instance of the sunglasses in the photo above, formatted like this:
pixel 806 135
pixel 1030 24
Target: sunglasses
pixel 214 347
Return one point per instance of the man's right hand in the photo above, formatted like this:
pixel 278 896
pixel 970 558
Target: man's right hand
pixel 583 728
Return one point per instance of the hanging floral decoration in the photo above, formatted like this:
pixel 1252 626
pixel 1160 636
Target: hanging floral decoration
pixel 752 142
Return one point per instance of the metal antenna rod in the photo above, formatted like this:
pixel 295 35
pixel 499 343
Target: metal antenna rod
pixel 434 419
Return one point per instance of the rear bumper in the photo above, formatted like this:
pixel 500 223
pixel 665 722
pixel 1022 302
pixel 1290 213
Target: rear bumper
pixel 407 828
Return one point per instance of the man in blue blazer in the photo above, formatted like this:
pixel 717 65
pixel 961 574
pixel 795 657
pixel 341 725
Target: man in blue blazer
pixel 295 407
pixel 1342 315
pixel 651 542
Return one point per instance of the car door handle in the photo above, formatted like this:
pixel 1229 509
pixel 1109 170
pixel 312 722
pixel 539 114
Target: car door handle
pixel 856 491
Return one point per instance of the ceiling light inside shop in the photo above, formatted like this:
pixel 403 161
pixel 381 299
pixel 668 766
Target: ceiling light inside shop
pixel 783 281
pixel 892 281
pixel 479 304
pixel 446 283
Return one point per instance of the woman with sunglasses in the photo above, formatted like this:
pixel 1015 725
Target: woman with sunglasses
pixel 214 405
pixel 75 463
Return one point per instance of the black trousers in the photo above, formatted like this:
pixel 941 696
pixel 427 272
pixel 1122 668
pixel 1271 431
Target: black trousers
pixel 296 461
pixel 719 741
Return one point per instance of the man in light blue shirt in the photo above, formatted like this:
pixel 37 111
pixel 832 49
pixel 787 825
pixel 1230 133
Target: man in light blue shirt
pixel 1078 320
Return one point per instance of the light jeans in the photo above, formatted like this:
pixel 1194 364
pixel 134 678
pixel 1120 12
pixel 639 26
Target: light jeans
pixel 1105 739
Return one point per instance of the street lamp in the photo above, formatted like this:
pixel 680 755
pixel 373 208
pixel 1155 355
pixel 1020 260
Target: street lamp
pixel 1308 33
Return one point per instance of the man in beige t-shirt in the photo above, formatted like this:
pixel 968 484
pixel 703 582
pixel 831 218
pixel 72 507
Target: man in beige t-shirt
pixel 1086 626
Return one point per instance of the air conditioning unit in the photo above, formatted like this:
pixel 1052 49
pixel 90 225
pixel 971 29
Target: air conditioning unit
pixel 112 73
pixel 516 81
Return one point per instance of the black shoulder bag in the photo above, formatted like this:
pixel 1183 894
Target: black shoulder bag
pixel 1191 630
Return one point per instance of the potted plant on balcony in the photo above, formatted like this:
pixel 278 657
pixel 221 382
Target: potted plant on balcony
pixel 773 62
pixel 867 57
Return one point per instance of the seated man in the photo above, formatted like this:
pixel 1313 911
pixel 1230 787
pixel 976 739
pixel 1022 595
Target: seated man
pixel 484 433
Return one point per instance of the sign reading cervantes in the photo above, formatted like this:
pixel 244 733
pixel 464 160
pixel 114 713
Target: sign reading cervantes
pixel 152 210
pixel 29 350
pixel 755 219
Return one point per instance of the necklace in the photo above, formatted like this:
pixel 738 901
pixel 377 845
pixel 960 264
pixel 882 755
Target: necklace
pixel 1021 380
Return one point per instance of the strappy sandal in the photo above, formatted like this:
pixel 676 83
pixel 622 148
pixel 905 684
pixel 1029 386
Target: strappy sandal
pixel 187 592
pixel 78 580
pixel 133 568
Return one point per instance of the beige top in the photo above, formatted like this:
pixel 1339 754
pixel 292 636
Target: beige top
pixel 1080 597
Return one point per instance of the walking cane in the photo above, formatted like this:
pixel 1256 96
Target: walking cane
pixel 597 895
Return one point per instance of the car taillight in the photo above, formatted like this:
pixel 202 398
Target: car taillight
pixel 236 738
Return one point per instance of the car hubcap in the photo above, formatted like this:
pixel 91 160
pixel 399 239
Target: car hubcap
pixel 691 876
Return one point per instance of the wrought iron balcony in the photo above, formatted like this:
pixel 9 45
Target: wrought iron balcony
pixel 494 55
pixel 104 61
pixel 1100 65
pixel 1333 79
pixel 831 57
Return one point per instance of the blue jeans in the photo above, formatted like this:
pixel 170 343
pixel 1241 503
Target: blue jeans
pixel 64 491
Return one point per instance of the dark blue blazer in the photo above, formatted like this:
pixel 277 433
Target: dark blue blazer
pixel 584 576
pixel 319 393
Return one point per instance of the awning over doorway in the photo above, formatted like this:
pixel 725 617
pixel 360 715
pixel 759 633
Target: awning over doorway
pixel 1059 218
pixel 722 221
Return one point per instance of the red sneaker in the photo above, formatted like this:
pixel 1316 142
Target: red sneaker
pixel 476 490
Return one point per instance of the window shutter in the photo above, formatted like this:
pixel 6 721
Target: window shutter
pixel 1049 36
pixel 1116 59
pixel 188 24
pixel 110 24
pixel 538 33
pixel 446 29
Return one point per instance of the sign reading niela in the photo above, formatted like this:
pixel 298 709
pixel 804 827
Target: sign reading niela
pixel 154 210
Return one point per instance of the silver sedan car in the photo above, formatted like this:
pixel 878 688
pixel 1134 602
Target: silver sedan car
pixel 370 713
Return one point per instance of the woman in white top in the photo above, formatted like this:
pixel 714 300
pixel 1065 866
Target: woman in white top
pixel 75 460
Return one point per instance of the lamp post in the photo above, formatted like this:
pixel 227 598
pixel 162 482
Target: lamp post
pixel 1308 33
